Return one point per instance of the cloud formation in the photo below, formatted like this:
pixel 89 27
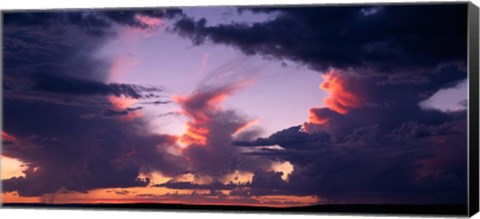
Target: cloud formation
pixel 395 154
pixel 370 127
pixel 210 129
pixel 395 38
pixel 57 89
pixel 368 141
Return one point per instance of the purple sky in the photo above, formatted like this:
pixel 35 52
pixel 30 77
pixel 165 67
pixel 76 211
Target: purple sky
pixel 163 59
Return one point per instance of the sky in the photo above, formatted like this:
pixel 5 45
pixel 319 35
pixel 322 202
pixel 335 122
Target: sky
pixel 249 106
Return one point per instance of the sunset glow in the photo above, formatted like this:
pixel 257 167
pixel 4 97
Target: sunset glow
pixel 11 167
pixel 286 168
pixel 122 102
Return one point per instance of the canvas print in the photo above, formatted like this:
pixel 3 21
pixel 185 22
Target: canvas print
pixel 268 107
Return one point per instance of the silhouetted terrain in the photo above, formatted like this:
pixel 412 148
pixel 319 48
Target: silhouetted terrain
pixel 337 209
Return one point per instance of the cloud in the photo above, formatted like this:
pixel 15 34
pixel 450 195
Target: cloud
pixel 366 134
pixel 110 113
pixel 263 183
pixel 340 99
pixel 410 168
pixel 78 86
pixel 95 23
pixel 412 129
pixel 383 75
pixel 59 68
pixel 56 87
pixel 370 141
pixel 320 116
pixel 208 136
pixel 95 153
pixel 189 185
pixel 52 77
pixel 344 37
pixel 122 192
pixel 291 138
pixel 396 151
pixel 158 102
pixel 113 113
pixel 141 18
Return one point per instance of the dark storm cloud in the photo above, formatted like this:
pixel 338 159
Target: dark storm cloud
pixel 35 183
pixel 263 183
pixel 110 112
pixel 288 138
pixel 371 157
pixel 364 134
pixel 372 153
pixel 61 68
pixel 66 39
pixel 188 185
pixel 414 129
pixel 389 39
pixel 129 17
pixel 57 64
pixel 95 153
pixel 367 168
pixel 97 23
pixel 388 149
pixel 158 102
pixel 78 86
pixel 134 108
pixel 55 85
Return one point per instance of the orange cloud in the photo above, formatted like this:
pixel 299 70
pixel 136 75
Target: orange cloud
pixel 122 103
pixel 209 130
pixel 200 107
pixel 340 100
pixel 194 135
pixel 316 119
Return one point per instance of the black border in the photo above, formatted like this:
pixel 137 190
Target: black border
pixel 473 77
pixel 411 210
